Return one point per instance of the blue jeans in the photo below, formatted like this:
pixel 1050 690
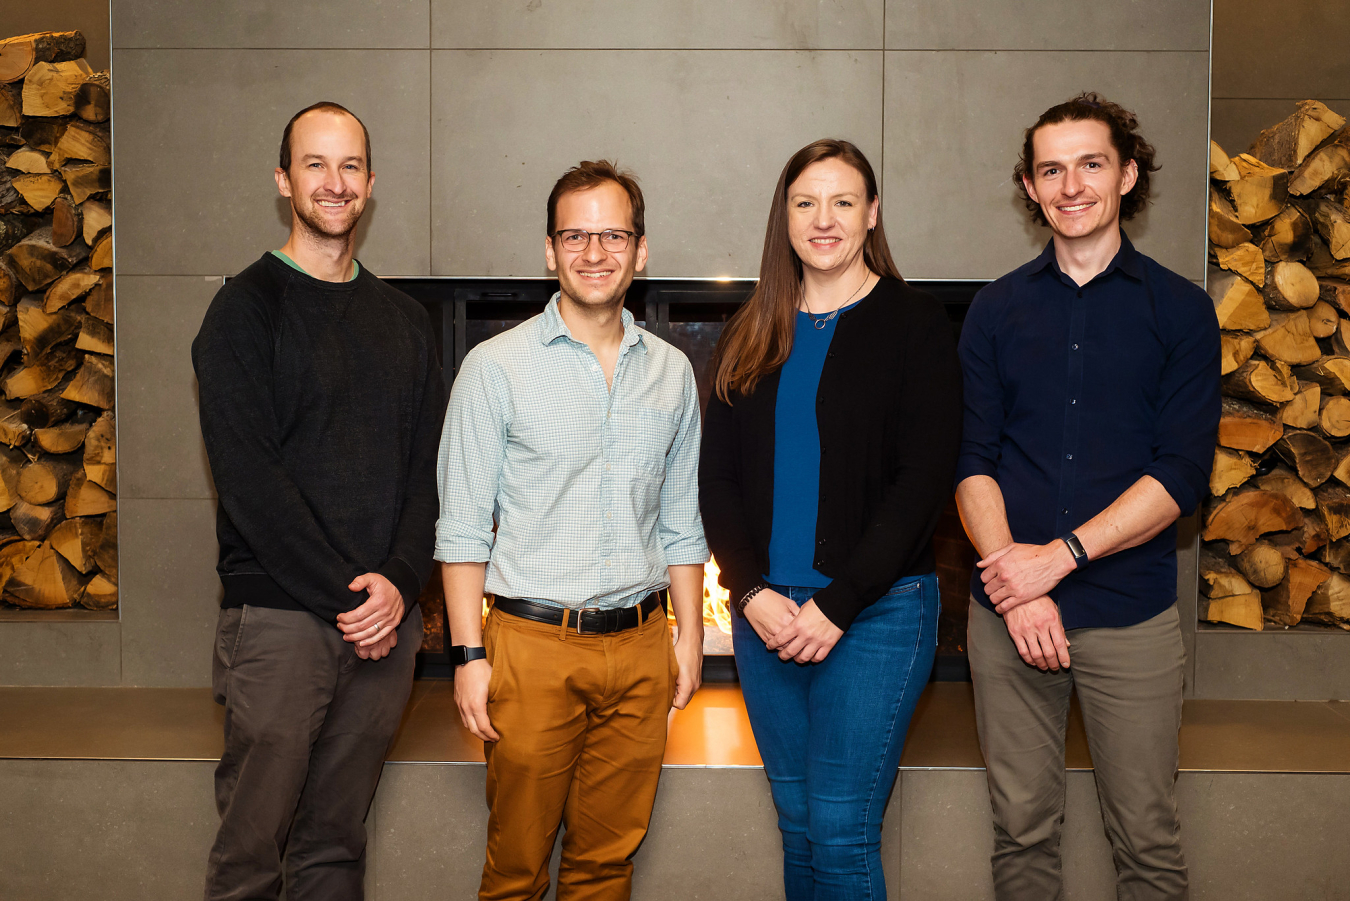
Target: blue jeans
pixel 831 734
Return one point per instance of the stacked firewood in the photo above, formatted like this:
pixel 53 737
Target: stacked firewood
pixel 1277 528
pixel 58 458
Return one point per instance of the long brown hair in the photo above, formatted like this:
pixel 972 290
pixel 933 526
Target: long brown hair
pixel 758 338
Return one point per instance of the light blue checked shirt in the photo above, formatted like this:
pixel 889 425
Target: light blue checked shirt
pixel 594 491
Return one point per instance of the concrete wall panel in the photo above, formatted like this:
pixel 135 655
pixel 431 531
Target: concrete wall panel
pixel 158 431
pixel 707 133
pixel 261 23
pixel 197 139
pixel 59 648
pixel 170 592
pixel 696 25
pixel 954 125
pixel 1053 25
pixel 1302 665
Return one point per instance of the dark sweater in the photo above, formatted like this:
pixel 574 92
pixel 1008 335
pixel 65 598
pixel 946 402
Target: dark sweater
pixel 321 407
pixel 889 414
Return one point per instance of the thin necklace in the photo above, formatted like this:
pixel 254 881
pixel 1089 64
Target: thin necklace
pixel 819 321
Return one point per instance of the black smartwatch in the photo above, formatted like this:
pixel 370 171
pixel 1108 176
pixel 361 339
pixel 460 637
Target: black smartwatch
pixel 460 654
pixel 1080 557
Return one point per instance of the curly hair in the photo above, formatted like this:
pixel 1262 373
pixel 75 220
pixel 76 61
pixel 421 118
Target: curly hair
pixel 1125 137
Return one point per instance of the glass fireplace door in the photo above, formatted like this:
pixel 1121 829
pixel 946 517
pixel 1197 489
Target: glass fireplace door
pixel 690 314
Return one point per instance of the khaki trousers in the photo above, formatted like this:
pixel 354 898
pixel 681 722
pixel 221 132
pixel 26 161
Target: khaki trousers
pixel 1129 687
pixel 582 720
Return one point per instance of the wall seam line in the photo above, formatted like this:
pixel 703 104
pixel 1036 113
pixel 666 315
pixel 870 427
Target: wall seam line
pixel 431 137
pixel 881 176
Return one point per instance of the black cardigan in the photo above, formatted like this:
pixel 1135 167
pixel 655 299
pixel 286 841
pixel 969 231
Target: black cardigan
pixel 889 415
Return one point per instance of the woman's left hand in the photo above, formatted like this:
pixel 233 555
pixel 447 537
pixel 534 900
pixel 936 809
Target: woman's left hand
pixel 808 638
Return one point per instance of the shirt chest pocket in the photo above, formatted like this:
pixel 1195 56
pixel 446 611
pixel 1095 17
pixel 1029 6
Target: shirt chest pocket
pixel 645 436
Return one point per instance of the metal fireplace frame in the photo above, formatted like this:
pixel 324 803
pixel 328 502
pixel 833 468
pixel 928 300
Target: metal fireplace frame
pixel 454 302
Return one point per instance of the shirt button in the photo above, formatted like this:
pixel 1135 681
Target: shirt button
pixel 1065 511
pixel 607 563
pixel 1075 347
pixel 608 467
pixel 1068 456
pixel 1073 401
pixel 609 516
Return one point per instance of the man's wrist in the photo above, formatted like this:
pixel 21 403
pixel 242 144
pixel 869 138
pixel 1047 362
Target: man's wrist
pixel 692 633
pixel 1064 560
pixel 464 654
pixel 1073 549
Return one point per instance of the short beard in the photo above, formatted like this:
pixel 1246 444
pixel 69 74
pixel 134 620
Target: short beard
pixel 319 227
pixel 613 300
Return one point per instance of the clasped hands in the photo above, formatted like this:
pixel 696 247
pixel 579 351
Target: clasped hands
pixel 373 626
pixel 803 634
pixel 1018 579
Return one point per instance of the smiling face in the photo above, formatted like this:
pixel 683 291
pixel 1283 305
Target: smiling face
pixel 1078 179
pixel 595 277
pixel 329 181
pixel 829 215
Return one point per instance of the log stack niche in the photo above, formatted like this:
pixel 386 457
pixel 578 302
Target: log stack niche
pixel 1276 530
pixel 58 457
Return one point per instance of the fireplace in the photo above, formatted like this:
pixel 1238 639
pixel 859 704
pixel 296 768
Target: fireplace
pixel 689 313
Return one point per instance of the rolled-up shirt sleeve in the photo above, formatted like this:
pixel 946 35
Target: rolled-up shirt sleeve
pixel 679 525
pixel 982 421
pixel 1189 403
pixel 469 463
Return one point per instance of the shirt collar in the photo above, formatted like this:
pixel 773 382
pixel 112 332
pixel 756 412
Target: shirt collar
pixel 1127 260
pixel 553 327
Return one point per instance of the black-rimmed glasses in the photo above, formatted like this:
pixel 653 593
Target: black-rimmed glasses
pixel 578 239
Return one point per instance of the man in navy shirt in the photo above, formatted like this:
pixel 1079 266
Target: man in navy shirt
pixel 1091 410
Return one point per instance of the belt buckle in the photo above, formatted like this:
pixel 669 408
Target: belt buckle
pixel 580 611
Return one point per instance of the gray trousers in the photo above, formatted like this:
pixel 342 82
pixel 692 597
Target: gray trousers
pixel 307 727
pixel 1129 687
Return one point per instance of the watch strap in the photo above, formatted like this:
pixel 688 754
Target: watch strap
pixel 461 654
pixel 1080 557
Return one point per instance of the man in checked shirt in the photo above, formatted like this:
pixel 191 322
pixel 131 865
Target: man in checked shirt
pixel 577 433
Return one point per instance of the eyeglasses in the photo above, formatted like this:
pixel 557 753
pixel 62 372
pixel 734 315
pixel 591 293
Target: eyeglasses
pixel 578 239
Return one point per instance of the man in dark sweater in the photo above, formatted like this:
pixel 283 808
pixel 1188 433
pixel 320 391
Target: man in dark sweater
pixel 1091 379
pixel 321 406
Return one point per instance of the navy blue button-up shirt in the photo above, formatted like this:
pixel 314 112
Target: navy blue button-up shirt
pixel 1072 394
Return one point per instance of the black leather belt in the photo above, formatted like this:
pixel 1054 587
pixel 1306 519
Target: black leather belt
pixel 586 621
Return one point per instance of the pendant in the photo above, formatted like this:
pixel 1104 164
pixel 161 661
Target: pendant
pixel 820 323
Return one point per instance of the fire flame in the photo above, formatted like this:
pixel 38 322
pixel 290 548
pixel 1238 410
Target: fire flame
pixel 716 601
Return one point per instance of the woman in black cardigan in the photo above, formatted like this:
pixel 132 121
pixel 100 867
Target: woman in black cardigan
pixel 828 454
